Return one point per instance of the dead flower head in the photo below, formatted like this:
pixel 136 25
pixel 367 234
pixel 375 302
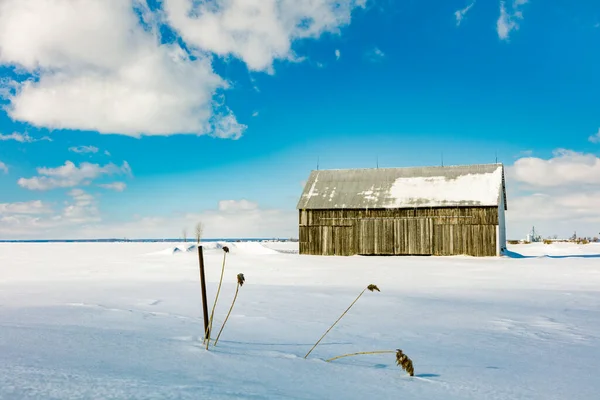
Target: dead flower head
pixel 241 279
pixel 405 362
pixel 372 287
pixel 226 249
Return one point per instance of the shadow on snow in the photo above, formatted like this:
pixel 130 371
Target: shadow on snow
pixel 512 254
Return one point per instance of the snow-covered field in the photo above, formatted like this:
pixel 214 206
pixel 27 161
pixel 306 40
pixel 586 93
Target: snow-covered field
pixel 124 321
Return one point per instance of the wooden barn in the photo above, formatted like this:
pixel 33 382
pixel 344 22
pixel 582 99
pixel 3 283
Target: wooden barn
pixel 449 210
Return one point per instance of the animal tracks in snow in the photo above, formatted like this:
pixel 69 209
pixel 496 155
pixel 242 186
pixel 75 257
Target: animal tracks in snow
pixel 144 313
pixel 541 328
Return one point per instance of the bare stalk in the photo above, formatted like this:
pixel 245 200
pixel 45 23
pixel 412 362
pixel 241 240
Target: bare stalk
pixel 240 282
pixel 199 231
pixel 361 352
pixel 212 313
pixel 370 287
pixel 402 359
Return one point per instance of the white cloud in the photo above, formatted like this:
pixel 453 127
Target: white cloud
pixel 555 207
pixel 566 168
pixel 257 31
pixel 460 14
pixel 232 219
pixel 595 138
pixel 525 153
pixel 84 149
pixel 254 84
pixel 29 207
pixel 255 114
pixel 37 220
pixel 504 24
pixel 226 126
pixel 81 219
pixel 70 175
pixel 236 205
pixel 96 68
pixel 554 213
pixel 82 210
pixel 116 186
pixel 338 54
pixel 375 55
pixel 22 138
pixel 507 21
pixel 3 167
pixel 557 195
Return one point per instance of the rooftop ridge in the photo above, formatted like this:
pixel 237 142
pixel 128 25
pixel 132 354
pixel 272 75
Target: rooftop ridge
pixel 411 167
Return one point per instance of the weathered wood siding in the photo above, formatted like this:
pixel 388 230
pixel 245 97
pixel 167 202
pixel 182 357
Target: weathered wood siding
pixel 421 231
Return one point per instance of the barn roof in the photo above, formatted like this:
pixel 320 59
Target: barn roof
pixel 414 187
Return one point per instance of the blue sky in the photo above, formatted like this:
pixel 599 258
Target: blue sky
pixel 208 114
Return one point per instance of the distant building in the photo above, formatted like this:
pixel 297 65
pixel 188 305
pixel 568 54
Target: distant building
pixel 533 236
pixel 404 211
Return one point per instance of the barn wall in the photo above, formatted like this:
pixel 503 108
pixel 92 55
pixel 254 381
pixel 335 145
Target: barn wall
pixel 424 231
pixel 501 226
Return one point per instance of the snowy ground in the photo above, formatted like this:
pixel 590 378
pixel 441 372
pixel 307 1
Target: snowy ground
pixel 123 321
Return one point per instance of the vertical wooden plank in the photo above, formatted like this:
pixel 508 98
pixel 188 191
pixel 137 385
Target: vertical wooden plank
pixel 456 239
pixel 412 235
pixel 370 237
pixel 336 240
pixel 376 226
pixel 360 236
pixel 405 237
pixel 431 236
pixel 398 237
pixel 348 236
pixel 426 237
pixel 451 240
pixel 355 237
pixel 325 240
pixel 420 242
pixel 470 240
pixel 388 228
pixel 333 251
pixel 421 233
pixel 475 237
pixel 437 234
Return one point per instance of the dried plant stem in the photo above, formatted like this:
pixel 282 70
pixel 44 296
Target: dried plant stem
pixel 362 352
pixel 212 313
pixel 344 313
pixel 401 359
pixel 237 289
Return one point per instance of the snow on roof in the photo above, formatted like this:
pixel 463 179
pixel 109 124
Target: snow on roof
pixel 414 187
